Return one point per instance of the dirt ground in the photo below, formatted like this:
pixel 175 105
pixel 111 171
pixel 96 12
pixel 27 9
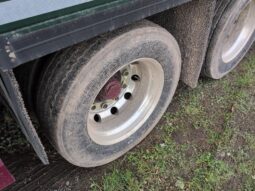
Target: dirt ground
pixel 205 141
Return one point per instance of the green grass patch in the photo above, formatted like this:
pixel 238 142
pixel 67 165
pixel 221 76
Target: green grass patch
pixel 207 142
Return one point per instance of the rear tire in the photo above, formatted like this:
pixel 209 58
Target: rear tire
pixel 233 36
pixel 72 81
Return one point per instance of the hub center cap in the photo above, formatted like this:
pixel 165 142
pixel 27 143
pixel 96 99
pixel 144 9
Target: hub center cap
pixel 111 90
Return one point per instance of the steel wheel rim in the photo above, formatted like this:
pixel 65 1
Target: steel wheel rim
pixel 240 34
pixel 142 86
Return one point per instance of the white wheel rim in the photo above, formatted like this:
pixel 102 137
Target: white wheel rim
pixel 240 34
pixel 143 82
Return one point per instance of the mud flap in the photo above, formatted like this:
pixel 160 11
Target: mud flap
pixel 10 90
pixel 191 25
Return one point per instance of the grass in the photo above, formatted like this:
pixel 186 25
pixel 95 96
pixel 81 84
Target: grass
pixel 204 142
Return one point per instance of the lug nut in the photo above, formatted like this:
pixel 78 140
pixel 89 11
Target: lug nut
pixel 125 73
pixel 93 107
pixel 124 86
pixel 104 105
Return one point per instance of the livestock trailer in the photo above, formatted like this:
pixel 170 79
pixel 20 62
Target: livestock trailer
pixel 99 74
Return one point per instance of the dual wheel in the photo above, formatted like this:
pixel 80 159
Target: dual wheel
pixel 99 99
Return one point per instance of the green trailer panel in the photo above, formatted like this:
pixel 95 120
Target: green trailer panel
pixel 17 14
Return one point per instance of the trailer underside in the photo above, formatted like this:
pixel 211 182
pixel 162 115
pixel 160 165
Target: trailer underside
pixel 29 43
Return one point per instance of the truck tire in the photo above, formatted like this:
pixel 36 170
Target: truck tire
pixel 99 99
pixel 232 38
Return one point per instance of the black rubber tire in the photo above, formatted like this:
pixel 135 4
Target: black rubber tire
pixel 227 12
pixel 219 11
pixel 63 101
